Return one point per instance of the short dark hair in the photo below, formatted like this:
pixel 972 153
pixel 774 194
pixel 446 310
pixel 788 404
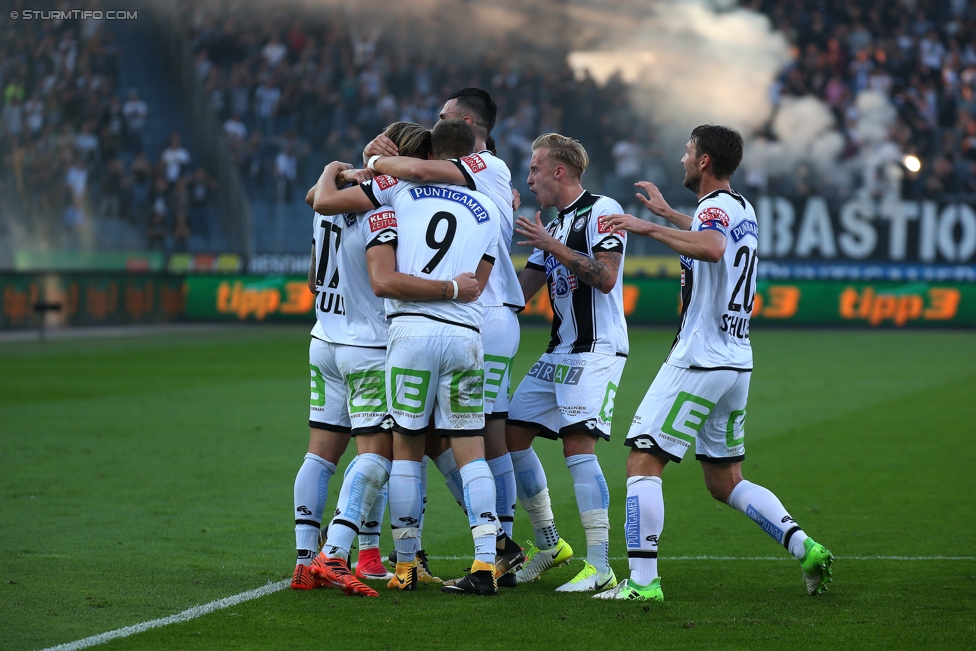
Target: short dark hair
pixel 722 144
pixel 451 139
pixel 479 104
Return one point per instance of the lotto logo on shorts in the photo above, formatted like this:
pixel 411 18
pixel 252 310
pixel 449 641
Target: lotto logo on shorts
pixel 385 182
pixel 557 373
pixel 379 221
pixel 475 163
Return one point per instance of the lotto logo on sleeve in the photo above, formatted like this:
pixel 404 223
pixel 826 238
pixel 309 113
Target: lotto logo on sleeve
pixel 475 163
pixel 385 181
pixel 715 215
pixel 380 220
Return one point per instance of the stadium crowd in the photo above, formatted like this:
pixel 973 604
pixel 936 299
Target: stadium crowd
pixel 73 155
pixel 287 86
pixel 920 54
pixel 292 90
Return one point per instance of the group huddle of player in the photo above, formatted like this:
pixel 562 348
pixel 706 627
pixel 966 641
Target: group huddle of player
pixel 416 331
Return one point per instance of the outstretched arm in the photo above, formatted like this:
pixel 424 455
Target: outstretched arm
pixel 599 272
pixel 328 199
pixel 311 272
pixel 416 169
pixel 387 282
pixel 656 204
pixel 707 245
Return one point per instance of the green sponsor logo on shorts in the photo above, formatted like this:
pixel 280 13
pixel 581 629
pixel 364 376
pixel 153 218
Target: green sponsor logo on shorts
pixel 606 411
pixel 687 416
pixel 367 392
pixel 317 399
pixel 496 368
pixel 409 389
pixel 467 392
pixel 730 439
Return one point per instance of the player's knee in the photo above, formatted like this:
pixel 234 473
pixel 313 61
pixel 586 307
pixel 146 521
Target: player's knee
pixel 578 443
pixel 643 464
pixel 720 487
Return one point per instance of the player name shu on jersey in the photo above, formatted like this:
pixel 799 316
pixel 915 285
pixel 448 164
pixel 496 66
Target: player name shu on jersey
pixel 585 320
pixel 717 297
pixel 443 230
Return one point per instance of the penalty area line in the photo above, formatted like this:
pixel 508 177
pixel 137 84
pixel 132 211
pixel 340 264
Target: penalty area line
pixel 186 615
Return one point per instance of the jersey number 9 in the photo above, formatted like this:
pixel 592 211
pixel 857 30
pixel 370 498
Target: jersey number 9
pixel 440 245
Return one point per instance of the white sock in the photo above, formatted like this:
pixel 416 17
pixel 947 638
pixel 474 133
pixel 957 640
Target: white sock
pixel 366 477
pixel 406 507
pixel 448 467
pixel 593 501
pixel 643 524
pixel 504 473
pixel 533 493
pixel 768 512
pixel 479 501
pixel 369 532
pixel 311 494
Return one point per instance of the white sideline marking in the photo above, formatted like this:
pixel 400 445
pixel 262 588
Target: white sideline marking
pixel 186 615
pixel 762 558
pixel 205 609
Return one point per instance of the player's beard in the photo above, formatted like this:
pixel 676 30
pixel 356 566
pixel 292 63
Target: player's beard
pixel 693 183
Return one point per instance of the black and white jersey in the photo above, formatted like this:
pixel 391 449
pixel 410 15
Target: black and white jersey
pixel 489 174
pixel 585 320
pixel 346 309
pixel 717 297
pixel 442 230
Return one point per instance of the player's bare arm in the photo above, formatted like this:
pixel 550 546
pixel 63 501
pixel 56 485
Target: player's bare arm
pixel 656 204
pixel 330 200
pixel 708 245
pixel 599 272
pixel 516 199
pixel 416 169
pixel 387 282
pixel 311 272
pixel 380 146
pixel 483 271
pixel 531 281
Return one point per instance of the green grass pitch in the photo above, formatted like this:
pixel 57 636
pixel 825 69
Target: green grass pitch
pixel 144 475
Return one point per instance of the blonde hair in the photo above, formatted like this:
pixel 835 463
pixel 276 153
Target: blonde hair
pixel 411 139
pixel 564 150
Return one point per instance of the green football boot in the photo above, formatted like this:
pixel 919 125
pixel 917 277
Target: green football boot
pixel 628 591
pixel 816 563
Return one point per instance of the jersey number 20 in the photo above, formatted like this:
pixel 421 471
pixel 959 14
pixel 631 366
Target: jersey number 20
pixel 745 280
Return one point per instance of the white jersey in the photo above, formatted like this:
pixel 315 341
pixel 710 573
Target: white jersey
pixel 489 174
pixel 443 230
pixel 585 320
pixel 717 297
pixel 346 309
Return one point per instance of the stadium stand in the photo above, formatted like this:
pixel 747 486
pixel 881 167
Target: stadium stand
pixel 294 88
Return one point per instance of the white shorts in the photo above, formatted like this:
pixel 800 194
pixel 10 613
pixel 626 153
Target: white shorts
pixel 565 392
pixel 685 407
pixel 348 391
pixel 500 337
pixel 435 369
